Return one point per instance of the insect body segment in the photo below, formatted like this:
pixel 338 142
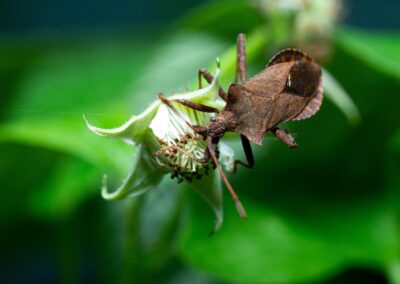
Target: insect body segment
pixel 289 88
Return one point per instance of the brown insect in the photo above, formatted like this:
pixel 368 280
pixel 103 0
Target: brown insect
pixel 289 88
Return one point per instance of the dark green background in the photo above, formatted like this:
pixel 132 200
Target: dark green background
pixel 332 203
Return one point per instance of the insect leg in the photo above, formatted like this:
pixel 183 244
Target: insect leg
pixel 168 103
pixel 203 72
pixel 239 207
pixel 248 152
pixel 241 59
pixel 284 136
pixel 196 106
pixel 209 78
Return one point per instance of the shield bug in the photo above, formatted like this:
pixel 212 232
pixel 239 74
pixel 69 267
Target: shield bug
pixel 289 88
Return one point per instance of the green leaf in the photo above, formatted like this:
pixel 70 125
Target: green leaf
pixel 395 142
pixel 210 17
pixel 210 189
pixel 88 76
pixel 20 177
pixel 380 50
pixel 393 272
pixel 266 247
pixel 71 183
pixel 393 189
pixel 80 79
pixel 174 65
pixel 392 170
pixel 70 137
pixel 281 248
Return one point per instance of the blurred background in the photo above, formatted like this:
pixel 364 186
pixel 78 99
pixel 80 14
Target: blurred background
pixel 327 212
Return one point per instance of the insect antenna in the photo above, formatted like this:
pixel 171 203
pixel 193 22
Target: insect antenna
pixel 239 206
pixel 168 103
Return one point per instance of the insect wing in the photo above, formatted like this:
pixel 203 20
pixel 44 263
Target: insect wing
pixel 289 55
pixel 312 106
pixel 304 79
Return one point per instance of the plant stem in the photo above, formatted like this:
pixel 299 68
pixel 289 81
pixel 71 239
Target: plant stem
pixel 132 252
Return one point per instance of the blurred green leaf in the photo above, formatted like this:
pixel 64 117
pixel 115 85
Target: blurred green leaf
pixel 62 82
pixel 210 189
pixel 393 272
pixel 70 137
pixel 380 50
pixel 71 183
pixel 279 248
pixel 367 229
pixel 264 248
pixel 395 142
pixel 174 65
pixel 256 42
pixel 83 80
pixel 211 17
pixel 22 170
pixel 393 169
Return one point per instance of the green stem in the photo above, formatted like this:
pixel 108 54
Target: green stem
pixel 162 250
pixel 132 253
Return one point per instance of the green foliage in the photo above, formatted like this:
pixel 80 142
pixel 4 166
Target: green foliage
pixel 330 205
pixel 381 52
pixel 71 183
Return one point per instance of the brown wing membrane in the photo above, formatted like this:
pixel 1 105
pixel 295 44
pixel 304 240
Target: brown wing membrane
pixel 302 86
pixel 304 79
pixel 284 107
pixel 312 107
pixel 289 55
pixel 270 81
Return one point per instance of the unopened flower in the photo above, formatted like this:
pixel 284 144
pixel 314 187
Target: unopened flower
pixel 168 145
